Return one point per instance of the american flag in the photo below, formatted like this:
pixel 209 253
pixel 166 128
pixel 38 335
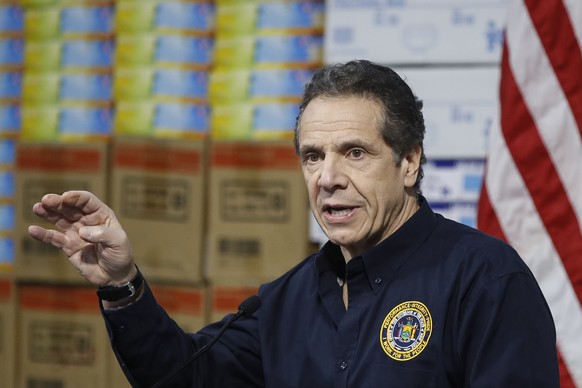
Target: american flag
pixel 532 190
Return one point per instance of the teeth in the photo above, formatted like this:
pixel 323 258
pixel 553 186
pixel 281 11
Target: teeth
pixel 336 212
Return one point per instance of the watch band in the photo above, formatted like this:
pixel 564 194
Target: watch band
pixel 115 293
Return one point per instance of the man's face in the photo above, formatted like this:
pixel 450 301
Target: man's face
pixel 357 193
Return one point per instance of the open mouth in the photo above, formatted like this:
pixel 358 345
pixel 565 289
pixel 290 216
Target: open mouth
pixel 337 211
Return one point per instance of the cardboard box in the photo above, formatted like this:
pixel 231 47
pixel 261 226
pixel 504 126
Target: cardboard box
pixel 157 191
pixel 258 208
pixel 461 106
pixel 7 331
pixel 415 31
pixel 43 168
pixel 185 305
pixel 63 338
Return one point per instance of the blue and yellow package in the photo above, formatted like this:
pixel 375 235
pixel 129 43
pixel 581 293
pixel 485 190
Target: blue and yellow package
pixel 11 52
pixel 7 152
pixel 11 19
pixel 10 85
pixel 9 118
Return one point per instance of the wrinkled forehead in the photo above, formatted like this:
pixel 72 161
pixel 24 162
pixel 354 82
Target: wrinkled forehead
pixel 340 114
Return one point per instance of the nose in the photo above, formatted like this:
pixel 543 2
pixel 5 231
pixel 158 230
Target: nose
pixel 332 175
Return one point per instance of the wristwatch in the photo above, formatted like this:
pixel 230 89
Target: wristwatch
pixel 115 293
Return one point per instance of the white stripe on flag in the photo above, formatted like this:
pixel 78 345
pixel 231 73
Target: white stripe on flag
pixel 574 8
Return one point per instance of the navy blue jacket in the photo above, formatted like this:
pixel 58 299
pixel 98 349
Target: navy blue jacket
pixel 436 304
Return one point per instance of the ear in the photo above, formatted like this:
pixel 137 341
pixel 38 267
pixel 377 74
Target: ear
pixel 411 166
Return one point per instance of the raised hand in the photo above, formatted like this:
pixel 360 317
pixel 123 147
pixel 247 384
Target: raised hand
pixel 89 233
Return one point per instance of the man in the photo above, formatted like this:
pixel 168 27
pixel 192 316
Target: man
pixel 399 296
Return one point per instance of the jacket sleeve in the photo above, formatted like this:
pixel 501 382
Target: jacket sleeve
pixel 148 345
pixel 507 335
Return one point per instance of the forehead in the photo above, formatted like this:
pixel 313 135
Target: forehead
pixel 340 117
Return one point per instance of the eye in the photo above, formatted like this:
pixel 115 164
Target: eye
pixel 311 157
pixel 356 153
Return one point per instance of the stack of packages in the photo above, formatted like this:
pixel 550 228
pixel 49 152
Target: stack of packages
pixel 258 217
pixel 11 58
pixel 67 113
pixel 67 78
pixel 162 63
pixel 67 116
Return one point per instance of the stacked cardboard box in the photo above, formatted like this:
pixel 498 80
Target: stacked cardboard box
pixel 158 190
pixel 52 168
pixel 63 342
pixel 258 214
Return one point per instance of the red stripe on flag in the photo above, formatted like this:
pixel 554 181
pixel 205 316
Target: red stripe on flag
pixel 486 217
pixel 540 177
pixel 556 33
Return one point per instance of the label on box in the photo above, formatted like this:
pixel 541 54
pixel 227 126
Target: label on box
pixel 63 343
pixel 155 199
pixel 254 200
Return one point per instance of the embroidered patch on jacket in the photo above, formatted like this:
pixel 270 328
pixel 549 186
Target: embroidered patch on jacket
pixel 406 330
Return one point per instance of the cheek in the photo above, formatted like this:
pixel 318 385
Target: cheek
pixel 310 183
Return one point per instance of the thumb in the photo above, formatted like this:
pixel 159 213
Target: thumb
pixel 100 234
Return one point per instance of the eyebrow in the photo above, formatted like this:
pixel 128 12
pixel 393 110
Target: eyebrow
pixel 343 146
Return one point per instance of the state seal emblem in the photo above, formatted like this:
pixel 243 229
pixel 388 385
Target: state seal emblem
pixel 406 330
